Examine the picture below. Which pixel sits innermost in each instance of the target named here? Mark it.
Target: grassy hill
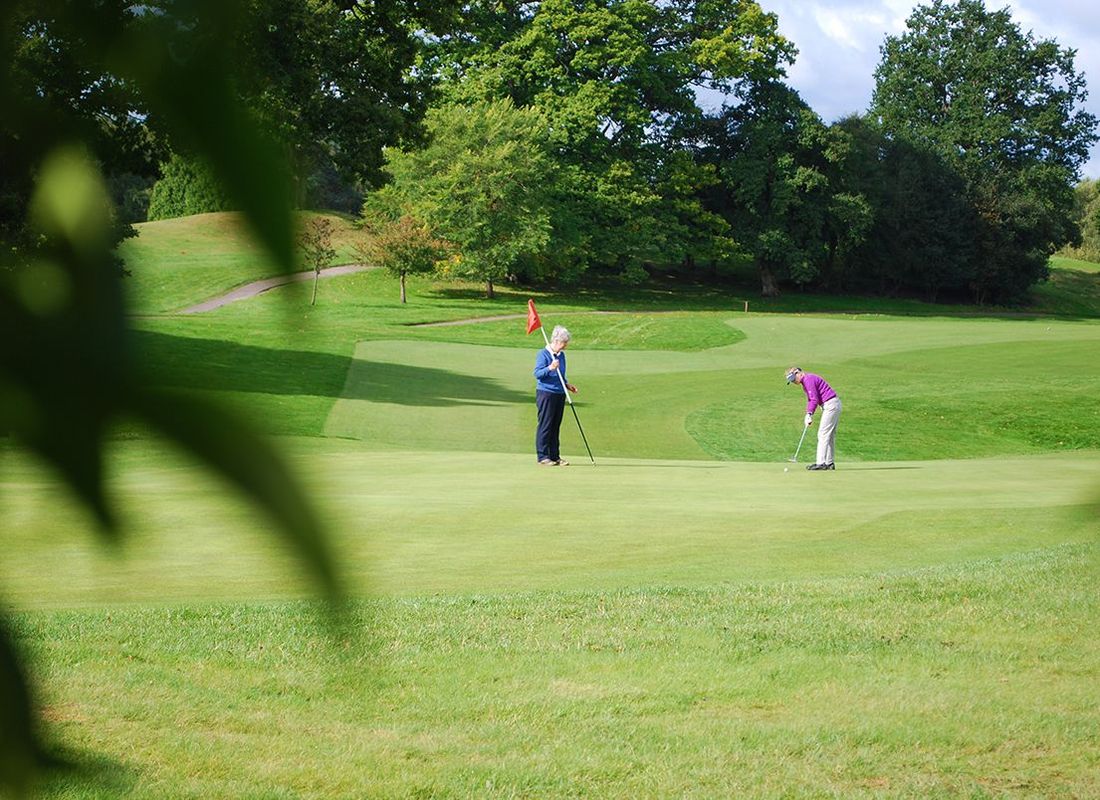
(690, 617)
(177, 262)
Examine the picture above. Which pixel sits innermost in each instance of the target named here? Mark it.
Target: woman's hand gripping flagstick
(534, 322)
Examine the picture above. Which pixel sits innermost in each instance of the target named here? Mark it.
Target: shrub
(186, 187)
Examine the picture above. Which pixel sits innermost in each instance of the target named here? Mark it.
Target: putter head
(793, 460)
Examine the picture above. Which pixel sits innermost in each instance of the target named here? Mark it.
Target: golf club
(794, 459)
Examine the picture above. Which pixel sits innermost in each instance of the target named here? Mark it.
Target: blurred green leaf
(20, 754)
(62, 321)
(181, 63)
(227, 444)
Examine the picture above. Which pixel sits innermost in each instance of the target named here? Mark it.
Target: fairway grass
(684, 618)
(175, 262)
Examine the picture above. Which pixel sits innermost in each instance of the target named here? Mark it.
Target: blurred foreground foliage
(90, 89)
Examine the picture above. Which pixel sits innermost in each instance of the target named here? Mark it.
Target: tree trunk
(489, 288)
(402, 286)
(768, 285)
(300, 167)
(316, 277)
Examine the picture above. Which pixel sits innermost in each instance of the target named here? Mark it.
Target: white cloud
(838, 26)
(839, 43)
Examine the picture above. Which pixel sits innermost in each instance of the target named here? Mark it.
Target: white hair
(560, 334)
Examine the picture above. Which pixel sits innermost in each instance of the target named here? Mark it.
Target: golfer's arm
(813, 400)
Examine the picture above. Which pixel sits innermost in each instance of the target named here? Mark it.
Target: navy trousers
(551, 407)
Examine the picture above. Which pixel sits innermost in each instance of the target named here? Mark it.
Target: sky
(838, 47)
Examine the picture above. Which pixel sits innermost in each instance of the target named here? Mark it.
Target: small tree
(315, 244)
(483, 183)
(402, 246)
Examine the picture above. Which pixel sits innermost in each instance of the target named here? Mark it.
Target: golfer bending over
(819, 393)
(550, 386)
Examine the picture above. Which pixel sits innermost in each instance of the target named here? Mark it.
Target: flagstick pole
(569, 400)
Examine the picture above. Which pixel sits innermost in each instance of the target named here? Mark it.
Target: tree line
(565, 139)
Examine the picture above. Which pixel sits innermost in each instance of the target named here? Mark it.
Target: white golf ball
(786, 469)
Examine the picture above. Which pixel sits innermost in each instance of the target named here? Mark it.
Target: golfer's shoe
(820, 466)
(547, 462)
(561, 462)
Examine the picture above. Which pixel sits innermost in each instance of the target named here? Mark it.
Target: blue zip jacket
(546, 380)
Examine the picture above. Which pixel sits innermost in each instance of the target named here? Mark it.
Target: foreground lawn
(976, 679)
(677, 628)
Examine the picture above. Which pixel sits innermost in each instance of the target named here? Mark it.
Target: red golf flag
(533, 321)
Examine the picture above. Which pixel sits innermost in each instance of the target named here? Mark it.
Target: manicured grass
(179, 262)
(1075, 264)
(976, 680)
(684, 619)
(406, 522)
(915, 388)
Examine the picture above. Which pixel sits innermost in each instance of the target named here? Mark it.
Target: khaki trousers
(826, 433)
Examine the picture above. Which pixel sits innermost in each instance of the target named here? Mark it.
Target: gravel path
(259, 287)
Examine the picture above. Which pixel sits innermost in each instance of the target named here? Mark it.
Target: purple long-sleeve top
(817, 391)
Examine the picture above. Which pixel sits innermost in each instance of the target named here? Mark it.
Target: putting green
(469, 523)
(913, 388)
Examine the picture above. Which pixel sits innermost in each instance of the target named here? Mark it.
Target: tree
(315, 244)
(1003, 109)
(774, 160)
(45, 78)
(337, 80)
(616, 81)
(482, 183)
(402, 247)
(919, 231)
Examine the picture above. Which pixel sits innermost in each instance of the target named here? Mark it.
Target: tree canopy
(1002, 109)
(775, 160)
(616, 81)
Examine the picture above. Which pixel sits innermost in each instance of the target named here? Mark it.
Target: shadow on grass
(401, 384)
(90, 777)
(663, 465)
(218, 365)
